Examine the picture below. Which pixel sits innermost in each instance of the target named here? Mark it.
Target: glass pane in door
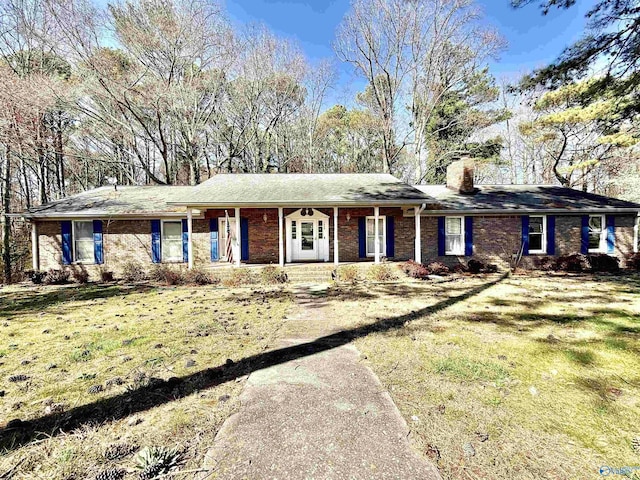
(306, 235)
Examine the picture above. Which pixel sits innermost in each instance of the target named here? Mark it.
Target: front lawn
(527, 378)
(91, 361)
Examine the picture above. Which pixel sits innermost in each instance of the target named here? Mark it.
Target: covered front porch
(300, 235)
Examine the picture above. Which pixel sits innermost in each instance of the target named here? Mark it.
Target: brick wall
(496, 238)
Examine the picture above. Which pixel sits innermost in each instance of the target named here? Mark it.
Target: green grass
(548, 367)
(67, 339)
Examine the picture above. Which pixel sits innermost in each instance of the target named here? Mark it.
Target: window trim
(162, 258)
(74, 258)
(383, 249)
(636, 235)
(462, 234)
(543, 250)
(602, 247)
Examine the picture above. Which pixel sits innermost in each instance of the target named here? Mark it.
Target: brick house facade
(291, 218)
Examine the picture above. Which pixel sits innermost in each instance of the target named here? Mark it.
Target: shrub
(36, 277)
(56, 277)
(198, 276)
(438, 268)
(546, 264)
(633, 261)
(133, 271)
(381, 273)
(476, 266)
(239, 277)
(272, 275)
(81, 276)
(460, 268)
(415, 270)
(348, 273)
(601, 262)
(576, 262)
(105, 274)
(166, 274)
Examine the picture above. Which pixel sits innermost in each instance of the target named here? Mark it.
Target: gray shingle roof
(505, 198)
(302, 190)
(108, 202)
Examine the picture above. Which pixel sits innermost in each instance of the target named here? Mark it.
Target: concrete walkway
(323, 416)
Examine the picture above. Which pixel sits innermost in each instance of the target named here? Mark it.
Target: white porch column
(336, 256)
(189, 238)
(35, 246)
(238, 237)
(280, 236)
(376, 233)
(418, 242)
(418, 245)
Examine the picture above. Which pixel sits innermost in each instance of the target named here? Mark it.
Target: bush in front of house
(198, 276)
(36, 277)
(633, 261)
(106, 275)
(601, 262)
(166, 274)
(575, 263)
(133, 271)
(381, 273)
(348, 273)
(546, 264)
(415, 270)
(476, 266)
(80, 276)
(56, 277)
(239, 277)
(272, 275)
(438, 268)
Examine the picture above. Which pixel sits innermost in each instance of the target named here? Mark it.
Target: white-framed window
(538, 234)
(454, 236)
(597, 234)
(171, 242)
(82, 235)
(371, 236)
(636, 236)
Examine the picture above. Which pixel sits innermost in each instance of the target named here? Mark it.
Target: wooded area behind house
(173, 92)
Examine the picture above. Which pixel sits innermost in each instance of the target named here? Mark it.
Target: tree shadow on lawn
(35, 300)
(158, 392)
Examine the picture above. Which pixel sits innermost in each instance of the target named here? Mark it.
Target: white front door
(307, 241)
(222, 239)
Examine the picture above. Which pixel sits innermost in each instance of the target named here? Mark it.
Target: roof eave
(302, 204)
(506, 211)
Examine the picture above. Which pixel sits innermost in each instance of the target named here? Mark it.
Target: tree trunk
(6, 225)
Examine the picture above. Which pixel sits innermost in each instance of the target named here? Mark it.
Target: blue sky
(533, 39)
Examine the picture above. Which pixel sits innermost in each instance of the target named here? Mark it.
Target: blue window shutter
(525, 234)
(65, 228)
(441, 237)
(611, 233)
(551, 235)
(362, 237)
(391, 244)
(213, 228)
(156, 256)
(244, 239)
(185, 240)
(98, 252)
(584, 239)
(468, 236)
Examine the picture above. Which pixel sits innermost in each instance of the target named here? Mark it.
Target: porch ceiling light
(264, 217)
(310, 212)
(303, 212)
(348, 216)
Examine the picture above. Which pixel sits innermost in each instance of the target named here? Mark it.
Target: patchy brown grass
(68, 339)
(538, 374)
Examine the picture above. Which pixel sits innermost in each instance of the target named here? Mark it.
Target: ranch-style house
(294, 218)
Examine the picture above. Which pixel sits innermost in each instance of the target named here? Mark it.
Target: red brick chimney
(460, 175)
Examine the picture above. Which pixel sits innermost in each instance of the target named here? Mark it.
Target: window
(371, 236)
(293, 229)
(538, 234)
(597, 234)
(320, 230)
(83, 242)
(172, 241)
(636, 238)
(454, 236)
